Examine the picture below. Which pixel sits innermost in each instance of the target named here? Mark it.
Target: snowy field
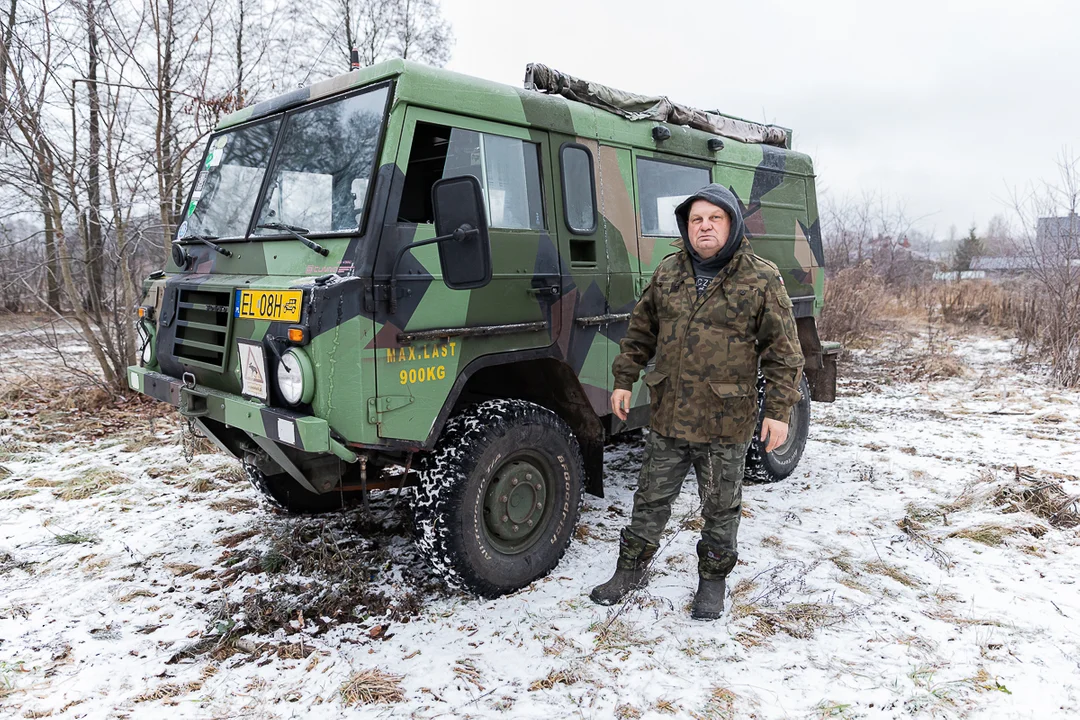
(922, 562)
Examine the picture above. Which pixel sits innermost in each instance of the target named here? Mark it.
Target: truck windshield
(323, 166)
(228, 183)
(319, 179)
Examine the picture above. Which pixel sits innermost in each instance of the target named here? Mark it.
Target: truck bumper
(303, 432)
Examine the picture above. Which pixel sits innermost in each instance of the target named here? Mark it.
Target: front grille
(202, 327)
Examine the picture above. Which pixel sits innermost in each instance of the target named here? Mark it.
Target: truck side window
(662, 186)
(508, 170)
(579, 189)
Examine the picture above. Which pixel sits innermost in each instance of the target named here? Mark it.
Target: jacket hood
(721, 196)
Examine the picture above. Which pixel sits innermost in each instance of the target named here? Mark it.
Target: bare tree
(871, 228)
(1051, 239)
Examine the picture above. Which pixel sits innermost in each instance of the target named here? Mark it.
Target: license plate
(280, 305)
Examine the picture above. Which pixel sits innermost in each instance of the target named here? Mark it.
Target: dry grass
(234, 539)
(666, 707)
(16, 493)
(136, 594)
(880, 567)
(854, 305)
(799, 620)
(90, 484)
(201, 484)
(372, 687)
(233, 505)
(74, 538)
(619, 634)
(467, 671)
(1045, 500)
(232, 474)
(627, 712)
(720, 705)
(39, 482)
(167, 691)
(934, 366)
(567, 676)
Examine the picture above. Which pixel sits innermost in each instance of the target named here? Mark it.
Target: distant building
(1058, 236)
(1004, 265)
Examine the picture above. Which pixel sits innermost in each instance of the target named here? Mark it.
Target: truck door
(433, 332)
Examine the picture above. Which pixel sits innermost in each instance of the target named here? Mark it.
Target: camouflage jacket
(704, 386)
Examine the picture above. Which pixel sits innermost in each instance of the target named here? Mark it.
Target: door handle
(547, 290)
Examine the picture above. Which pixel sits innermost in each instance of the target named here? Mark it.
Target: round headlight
(295, 379)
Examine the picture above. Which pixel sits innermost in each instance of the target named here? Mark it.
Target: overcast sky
(946, 106)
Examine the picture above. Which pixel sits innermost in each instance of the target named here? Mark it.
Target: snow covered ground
(902, 571)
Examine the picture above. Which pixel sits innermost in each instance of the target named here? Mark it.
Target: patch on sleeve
(780, 278)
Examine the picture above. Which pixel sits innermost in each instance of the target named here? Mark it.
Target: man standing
(712, 313)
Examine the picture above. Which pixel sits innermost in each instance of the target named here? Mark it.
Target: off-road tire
(282, 492)
(481, 452)
(777, 465)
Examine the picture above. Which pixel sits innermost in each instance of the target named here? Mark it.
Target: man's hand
(620, 403)
(773, 432)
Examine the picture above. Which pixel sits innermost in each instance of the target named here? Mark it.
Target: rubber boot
(709, 599)
(631, 570)
(714, 564)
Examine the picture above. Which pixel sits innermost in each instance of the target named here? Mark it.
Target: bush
(854, 304)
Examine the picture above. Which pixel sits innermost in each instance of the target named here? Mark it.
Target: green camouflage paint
(377, 389)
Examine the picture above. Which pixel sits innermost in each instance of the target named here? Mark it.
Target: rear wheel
(770, 467)
(500, 496)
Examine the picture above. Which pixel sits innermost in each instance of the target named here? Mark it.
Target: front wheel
(284, 493)
(500, 496)
(770, 467)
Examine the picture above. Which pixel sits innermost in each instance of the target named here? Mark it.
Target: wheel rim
(516, 504)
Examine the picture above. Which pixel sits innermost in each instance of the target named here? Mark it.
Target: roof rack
(541, 78)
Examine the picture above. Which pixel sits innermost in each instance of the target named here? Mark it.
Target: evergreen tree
(969, 248)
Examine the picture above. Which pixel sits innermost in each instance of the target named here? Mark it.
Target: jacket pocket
(735, 410)
(732, 390)
(655, 381)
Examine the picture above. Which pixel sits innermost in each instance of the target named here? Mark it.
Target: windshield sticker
(182, 232)
(200, 182)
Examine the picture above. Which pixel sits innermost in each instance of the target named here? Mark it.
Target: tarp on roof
(650, 107)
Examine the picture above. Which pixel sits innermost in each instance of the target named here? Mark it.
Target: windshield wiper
(295, 232)
(206, 240)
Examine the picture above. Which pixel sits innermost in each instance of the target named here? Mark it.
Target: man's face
(708, 227)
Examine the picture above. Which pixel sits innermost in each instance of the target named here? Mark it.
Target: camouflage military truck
(404, 275)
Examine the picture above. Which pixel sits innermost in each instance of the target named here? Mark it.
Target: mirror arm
(458, 235)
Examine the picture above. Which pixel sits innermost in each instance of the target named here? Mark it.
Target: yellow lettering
(430, 373)
(412, 353)
(426, 356)
(401, 355)
(452, 348)
(444, 350)
(389, 354)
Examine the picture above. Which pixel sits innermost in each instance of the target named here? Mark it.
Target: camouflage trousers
(719, 468)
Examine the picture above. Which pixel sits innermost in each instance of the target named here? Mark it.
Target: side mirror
(459, 212)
